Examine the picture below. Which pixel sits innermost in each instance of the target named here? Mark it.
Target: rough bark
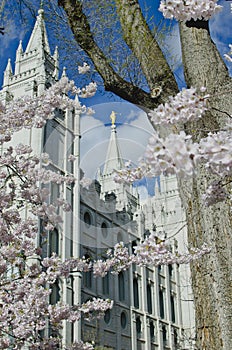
(142, 43)
(211, 276)
(112, 81)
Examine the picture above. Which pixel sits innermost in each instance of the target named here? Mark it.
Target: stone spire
(113, 158)
(8, 73)
(39, 37)
(56, 58)
(35, 68)
(125, 199)
(19, 54)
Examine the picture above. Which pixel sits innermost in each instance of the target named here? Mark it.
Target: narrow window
(161, 303)
(164, 331)
(104, 229)
(136, 292)
(138, 327)
(53, 242)
(106, 284)
(173, 315)
(149, 299)
(87, 276)
(152, 331)
(123, 320)
(55, 295)
(121, 286)
(87, 219)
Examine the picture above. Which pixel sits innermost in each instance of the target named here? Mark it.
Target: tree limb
(144, 46)
(112, 81)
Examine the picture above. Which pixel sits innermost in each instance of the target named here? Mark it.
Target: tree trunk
(211, 276)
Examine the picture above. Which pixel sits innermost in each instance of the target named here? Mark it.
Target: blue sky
(132, 125)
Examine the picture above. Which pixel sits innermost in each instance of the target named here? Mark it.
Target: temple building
(152, 305)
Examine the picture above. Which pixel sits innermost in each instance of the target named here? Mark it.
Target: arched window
(107, 316)
(136, 292)
(121, 286)
(106, 284)
(53, 242)
(55, 295)
(123, 320)
(119, 237)
(149, 299)
(172, 303)
(161, 303)
(87, 218)
(104, 229)
(175, 338)
(164, 334)
(170, 271)
(152, 331)
(87, 276)
(138, 326)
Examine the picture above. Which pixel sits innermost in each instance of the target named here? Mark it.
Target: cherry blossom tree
(192, 140)
(196, 148)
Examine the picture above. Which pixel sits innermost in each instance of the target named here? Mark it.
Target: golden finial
(113, 117)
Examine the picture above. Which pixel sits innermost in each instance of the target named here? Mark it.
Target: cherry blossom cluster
(83, 69)
(88, 91)
(185, 10)
(148, 252)
(28, 112)
(216, 151)
(187, 105)
(95, 308)
(177, 154)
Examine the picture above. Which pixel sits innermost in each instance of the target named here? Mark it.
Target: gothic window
(87, 276)
(107, 316)
(138, 326)
(161, 303)
(164, 335)
(119, 237)
(35, 89)
(172, 304)
(175, 338)
(121, 286)
(55, 192)
(149, 298)
(53, 242)
(106, 284)
(104, 229)
(123, 320)
(170, 271)
(87, 218)
(54, 139)
(152, 331)
(55, 295)
(136, 292)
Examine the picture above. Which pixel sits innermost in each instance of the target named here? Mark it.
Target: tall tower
(36, 69)
(125, 197)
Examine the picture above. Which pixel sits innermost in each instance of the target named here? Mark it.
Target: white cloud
(11, 33)
(220, 29)
(133, 131)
